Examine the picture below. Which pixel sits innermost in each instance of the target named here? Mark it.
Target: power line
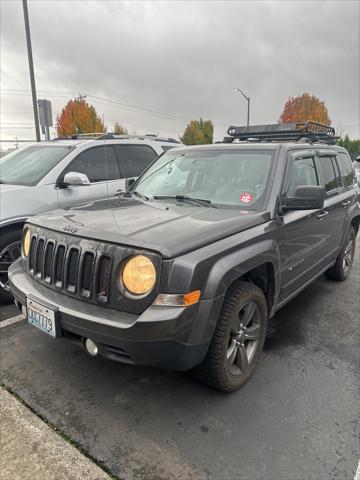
(109, 101)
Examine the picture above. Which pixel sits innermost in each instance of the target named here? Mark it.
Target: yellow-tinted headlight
(139, 275)
(26, 242)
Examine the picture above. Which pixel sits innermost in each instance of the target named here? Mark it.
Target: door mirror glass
(129, 182)
(76, 179)
(305, 197)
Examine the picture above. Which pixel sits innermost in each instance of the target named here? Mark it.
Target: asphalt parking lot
(297, 418)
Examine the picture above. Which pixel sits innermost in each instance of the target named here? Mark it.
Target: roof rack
(114, 136)
(149, 136)
(84, 136)
(302, 132)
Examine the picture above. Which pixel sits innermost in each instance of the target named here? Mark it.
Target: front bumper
(175, 338)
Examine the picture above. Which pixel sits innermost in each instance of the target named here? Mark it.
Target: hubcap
(244, 338)
(348, 256)
(8, 255)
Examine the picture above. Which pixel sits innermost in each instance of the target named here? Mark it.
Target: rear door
(133, 160)
(334, 220)
(100, 165)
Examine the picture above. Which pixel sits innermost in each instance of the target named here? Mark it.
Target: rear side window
(98, 163)
(346, 169)
(330, 175)
(134, 159)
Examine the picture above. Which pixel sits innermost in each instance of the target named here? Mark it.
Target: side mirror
(129, 182)
(75, 179)
(305, 197)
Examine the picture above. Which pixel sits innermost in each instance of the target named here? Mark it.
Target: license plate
(41, 317)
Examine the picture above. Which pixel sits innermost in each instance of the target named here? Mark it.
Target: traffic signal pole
(31, 69)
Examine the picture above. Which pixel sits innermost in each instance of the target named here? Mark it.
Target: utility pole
(31, 69)
(248, 104)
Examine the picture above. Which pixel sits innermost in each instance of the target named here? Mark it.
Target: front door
(304, 238)
(100, 165)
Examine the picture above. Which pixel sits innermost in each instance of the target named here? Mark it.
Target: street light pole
(248, 103)
(31, 69)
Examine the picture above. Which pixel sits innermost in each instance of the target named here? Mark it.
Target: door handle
(346, 202)
(323, 214)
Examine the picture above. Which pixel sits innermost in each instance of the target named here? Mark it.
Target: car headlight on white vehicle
(139, 275)
(26, 241)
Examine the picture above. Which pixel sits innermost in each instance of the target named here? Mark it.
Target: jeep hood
(166, 227)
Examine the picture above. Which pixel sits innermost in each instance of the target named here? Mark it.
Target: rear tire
(238, 340)
(10, 250)
(342, 268)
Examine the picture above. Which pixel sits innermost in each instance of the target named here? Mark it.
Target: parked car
(184, 270)
(356, 165)
(62, 173)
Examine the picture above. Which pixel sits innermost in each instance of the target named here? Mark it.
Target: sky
(153, 66)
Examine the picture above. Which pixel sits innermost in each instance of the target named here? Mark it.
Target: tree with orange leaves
(305, 107)
(78, 116)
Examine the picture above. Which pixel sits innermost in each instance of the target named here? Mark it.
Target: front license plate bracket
(43, 316)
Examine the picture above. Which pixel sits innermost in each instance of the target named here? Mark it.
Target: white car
(62, 173)
(356, 165)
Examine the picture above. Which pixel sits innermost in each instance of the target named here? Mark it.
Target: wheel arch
(355, 222)
(258, 264)
(12, 224)
(239, 265)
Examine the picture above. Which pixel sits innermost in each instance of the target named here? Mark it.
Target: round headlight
(26, 242)
(139, 275)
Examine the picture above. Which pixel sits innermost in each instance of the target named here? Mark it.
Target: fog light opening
(91, 347)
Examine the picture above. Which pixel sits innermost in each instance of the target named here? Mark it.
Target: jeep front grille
(104, 276)
(87, 272)
(67, 267)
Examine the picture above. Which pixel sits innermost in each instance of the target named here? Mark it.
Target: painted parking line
(10, 321)
(357, 474)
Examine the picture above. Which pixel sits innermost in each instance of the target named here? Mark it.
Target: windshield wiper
(185, 198)
(137, 194)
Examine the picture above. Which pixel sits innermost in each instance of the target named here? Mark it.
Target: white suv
(62, 173)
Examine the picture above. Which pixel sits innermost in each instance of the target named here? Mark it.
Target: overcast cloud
(181, 58)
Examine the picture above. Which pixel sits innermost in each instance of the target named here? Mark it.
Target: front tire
(238, 340)
(342, 268)
(10, 250)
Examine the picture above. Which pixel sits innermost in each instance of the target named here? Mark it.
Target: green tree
(352, 146)
(78, 116)
(120, 129)
(198, 132)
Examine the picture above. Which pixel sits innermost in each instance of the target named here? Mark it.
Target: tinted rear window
(346, 169)
(134, 159)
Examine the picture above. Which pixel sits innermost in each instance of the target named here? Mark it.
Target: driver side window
(98, 163)
(302, 172)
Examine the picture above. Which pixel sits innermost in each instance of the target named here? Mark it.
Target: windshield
(222, 177)
(29, 165)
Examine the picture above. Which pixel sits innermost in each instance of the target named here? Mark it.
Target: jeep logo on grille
(71, 228)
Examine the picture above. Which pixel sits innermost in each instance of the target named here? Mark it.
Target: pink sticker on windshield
(246, 197)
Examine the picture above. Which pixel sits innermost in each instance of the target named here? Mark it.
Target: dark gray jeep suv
(184, 269)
